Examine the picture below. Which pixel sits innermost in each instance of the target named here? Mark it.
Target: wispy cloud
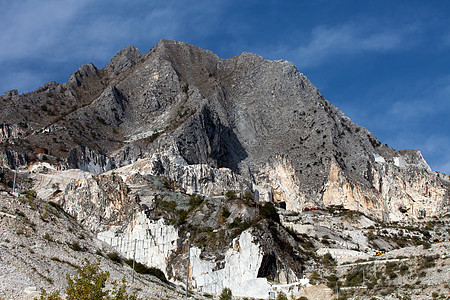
(424, 99)
(30, 27)
(47, 40)
(446, 39)
(330, 42)
(415, 117)
(433, 147)
(22, 80)
(74, 32)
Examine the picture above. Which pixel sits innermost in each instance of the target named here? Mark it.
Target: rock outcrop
(88, 160)
(130, 211)
(8, 132)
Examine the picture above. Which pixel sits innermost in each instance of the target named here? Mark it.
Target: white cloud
(72, 33)
(408, 109)
(326, 42)
(426, 98)
(445, 168)
(30, 27)
(68, 30)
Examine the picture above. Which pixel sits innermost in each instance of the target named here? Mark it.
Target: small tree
(31, 194)
(230, 194)
(88, 284)
(226, 294)
(53, 296)
(195, 201)
(120, 293)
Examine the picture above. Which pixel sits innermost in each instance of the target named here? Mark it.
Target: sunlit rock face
(398, 191)
(143, 240)
(10, 132)
(98, 201)
(119, 207)
(238, 271)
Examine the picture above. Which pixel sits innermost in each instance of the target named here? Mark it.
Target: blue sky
(385, 64)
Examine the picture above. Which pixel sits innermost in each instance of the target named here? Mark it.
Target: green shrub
(186, 88)
(426, 245)
(282, 296)
(404, 269)
(101, 120)
(294, 233)
(195, 201)
(225, 213)
(44, 216)
(328, 260)
(314, 278)
(153, 137)
(143, 269)
(332, 281)
(181, 216)
(31, 194)
(45, 296)
(226, 294)
(248, 196)
(241, 225)
(48, 237)
(75, 246)
(89, 284)
(230, 194)
(428, 261)
(55, 205)
(115, 257)
(354, 278)
(20, 213)
(170, 205)
(304, 241)
(268, 211)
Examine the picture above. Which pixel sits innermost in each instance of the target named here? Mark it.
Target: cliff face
(146, 218)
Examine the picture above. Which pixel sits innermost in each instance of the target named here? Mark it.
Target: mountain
(263, 120)
(178, 140)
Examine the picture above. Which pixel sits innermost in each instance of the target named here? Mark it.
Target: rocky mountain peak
(124, 59)
(84, 71)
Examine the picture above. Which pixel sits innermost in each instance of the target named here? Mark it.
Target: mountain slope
(41, 244)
